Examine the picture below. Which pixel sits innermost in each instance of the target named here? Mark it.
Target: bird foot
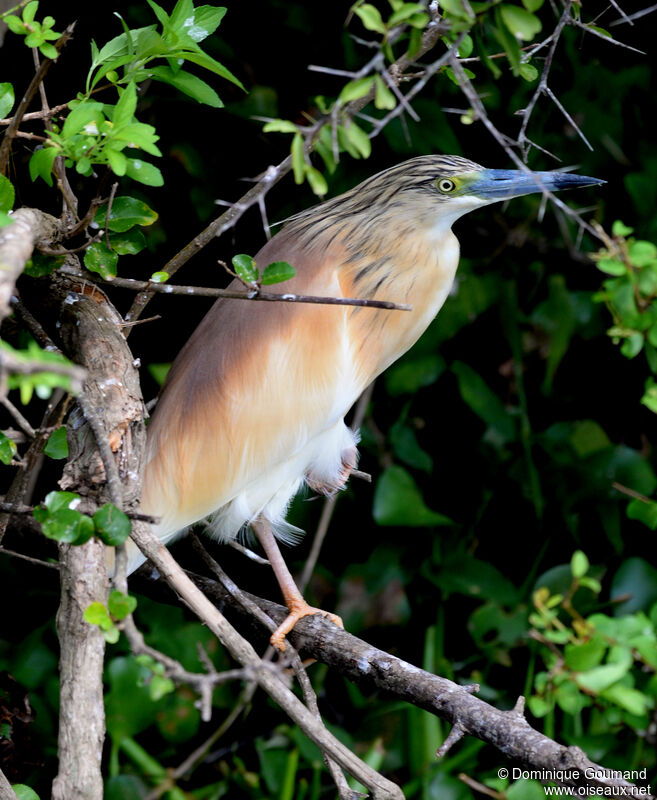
(338, 483)
(298, 610)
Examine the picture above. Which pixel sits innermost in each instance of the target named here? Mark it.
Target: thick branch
(372, 668)
(17, 242)
(92, 335)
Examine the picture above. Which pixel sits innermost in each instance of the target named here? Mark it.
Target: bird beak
(502, 184)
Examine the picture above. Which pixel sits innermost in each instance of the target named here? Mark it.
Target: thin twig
(253, 294)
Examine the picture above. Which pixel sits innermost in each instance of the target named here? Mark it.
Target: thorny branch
(508, 731)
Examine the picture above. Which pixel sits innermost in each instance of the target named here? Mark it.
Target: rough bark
(17, 242)
(373, 669)
(110, 408)
(82, 650)
(6, 792)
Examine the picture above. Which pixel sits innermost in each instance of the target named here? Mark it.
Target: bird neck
(405, 261)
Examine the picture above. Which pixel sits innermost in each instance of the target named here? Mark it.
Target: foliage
(502, 446)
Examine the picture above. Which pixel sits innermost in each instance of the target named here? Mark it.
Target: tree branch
(371, 668)
(17, 242)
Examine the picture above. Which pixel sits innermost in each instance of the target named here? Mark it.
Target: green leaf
(29, 12)
(457, 8)
(602, 677)
(100, 259)
(356, 89)
(371, 18)
(532, 5)
(398, 501)
(96, 614)
(205, 61)
(68, 525)
(7, 194)
(358, 138)
(7, 99)
(128, 243)
(298, 159)
(24, 792)
(642, 253)
(277, 272)
(644, 512)
(112, 525)
(159, 372)
(139, 135)
(159, 686)
(57, 446)
(7, 448)
(619, 229)
(611, 266)
(632, 345)
(15, 24)
(383, 97)
(585, 656)
(484, 402)
(245, 267)
(528, 72)
(280, 126)
(412, 372)
(208, 18)
(523, 24)
(124, 110)
(407, 448)
(316, 180)
(160, 277)
(117, 161)
(40, 264)
(188, 84)
(41, 162)
(120, 605)
(87, 114)
(55, 501)
(125, 214)
(144, 172)
(630, 699)
(579, 564)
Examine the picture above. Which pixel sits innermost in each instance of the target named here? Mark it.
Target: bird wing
(253, 385)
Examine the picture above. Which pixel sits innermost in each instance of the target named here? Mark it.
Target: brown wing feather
(254, 382)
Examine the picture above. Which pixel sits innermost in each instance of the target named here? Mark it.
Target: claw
(297, 612)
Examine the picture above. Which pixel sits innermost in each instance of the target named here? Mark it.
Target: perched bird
(254, 405)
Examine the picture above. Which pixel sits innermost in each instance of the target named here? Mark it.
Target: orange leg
(293, 598)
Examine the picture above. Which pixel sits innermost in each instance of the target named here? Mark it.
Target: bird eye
(445, 186)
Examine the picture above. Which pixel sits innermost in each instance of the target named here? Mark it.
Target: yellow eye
(445, 186)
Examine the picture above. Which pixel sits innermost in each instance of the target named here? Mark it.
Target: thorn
(519, 708)
(453, 737)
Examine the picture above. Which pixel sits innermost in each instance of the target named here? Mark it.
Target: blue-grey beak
(502, 184)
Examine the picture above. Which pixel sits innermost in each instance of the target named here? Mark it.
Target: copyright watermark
(604, 782)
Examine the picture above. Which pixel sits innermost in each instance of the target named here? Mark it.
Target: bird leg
(297, 606)
(326, 487)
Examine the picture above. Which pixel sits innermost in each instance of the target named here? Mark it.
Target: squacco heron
(253, 407)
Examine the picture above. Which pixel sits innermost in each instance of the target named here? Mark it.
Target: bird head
(450, 186)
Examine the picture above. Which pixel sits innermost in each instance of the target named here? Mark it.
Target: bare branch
(17, 242)
(374, 669)
(253, 294)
